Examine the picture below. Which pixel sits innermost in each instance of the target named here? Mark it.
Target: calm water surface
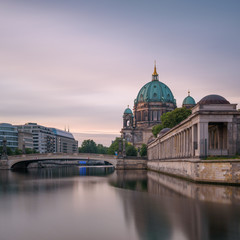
(96, 203)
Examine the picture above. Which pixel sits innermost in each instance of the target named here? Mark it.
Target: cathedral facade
(153, 99)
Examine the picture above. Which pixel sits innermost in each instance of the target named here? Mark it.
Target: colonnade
(177, 145)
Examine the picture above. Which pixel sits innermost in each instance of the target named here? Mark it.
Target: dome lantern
(155, 74)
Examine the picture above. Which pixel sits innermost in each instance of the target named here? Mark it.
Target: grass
(221, 157)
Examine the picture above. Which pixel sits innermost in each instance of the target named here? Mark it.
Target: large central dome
(153, 100)
(155, 91)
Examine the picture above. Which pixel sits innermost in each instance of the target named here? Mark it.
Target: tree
(30, 151)
(9, 151)
(143, 151)
(102, 149)
(114, 147)
(131, 150)
(17, 151)
(88, 146)
(171, 119)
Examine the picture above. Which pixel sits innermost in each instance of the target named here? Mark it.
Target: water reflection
(97, 203)
(177, 209)
(29, 180)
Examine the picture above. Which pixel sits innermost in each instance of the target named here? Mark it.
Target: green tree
(171, 119)
(102, 149)
(17, 151)
(114, 147)
(88, 146)
(143, 151)
(30, 151)
(9, 151)
(131, 150)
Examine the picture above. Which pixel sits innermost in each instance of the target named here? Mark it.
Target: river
(72, 203)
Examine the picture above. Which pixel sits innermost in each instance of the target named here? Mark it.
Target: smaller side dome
(164, 130)
(189, 101)
(213, 99)
(128, 111)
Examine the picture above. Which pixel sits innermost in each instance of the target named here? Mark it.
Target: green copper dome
(128, 111)
(189, 101)
(155, 91)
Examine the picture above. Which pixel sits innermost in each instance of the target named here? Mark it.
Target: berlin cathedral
(153, 99)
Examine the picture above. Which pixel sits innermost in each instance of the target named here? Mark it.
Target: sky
(78, 64)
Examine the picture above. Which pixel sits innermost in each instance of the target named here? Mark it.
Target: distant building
(188, 101)
(65, 142)
(43, 137)
(10, 133)
(153, 99)
(46, 140)
(25, 140)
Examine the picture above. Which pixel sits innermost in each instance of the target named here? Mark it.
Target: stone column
(232, 138)
(187, 136)
(203, 139)
(120, 149)
(124, 148)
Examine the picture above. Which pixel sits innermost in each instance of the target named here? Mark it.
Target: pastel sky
(80, 63)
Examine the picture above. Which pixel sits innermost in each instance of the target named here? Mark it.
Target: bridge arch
(24, 160)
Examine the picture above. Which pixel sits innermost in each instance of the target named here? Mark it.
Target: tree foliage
(143, 151)
(114, 147)
(102, 149)
(17, 151)
(30, 151)
(131, 150)
(89, 146)
(171, 119)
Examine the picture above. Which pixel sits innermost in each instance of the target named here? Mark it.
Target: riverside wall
(211, 171)
(131, 164)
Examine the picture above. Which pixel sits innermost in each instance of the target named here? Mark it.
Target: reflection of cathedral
(153, 99)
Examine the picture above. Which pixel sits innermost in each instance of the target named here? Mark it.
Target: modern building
(25, 140)
(153, 99)
(10, 133)
(65, 142)
(188, 101)
(43, 137)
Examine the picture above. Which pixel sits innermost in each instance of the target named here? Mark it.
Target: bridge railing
(39, 155)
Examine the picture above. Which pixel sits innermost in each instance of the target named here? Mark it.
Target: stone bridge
(24, 160)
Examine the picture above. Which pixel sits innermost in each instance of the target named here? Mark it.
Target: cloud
(81, 63)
